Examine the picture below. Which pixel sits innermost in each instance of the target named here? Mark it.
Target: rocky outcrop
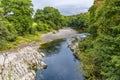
(74, 48)
(21, 65)
(74, 44)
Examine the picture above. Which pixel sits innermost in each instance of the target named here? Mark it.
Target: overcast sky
(66, 7)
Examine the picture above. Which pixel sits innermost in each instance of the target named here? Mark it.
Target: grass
(29, 38)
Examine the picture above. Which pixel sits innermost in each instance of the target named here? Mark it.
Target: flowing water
(62, 65)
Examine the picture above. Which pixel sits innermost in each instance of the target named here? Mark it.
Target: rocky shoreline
(20, 65)
(74, 44)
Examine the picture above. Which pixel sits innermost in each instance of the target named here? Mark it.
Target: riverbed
(62, 65)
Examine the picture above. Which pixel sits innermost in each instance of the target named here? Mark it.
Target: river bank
(19, 64)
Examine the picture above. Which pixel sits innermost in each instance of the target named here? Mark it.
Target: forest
(99, 52)
(18, 20)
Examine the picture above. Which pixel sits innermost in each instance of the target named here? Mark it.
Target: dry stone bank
(20, 65)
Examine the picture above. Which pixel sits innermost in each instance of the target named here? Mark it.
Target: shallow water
(61, 63)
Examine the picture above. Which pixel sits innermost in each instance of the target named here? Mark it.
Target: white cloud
(71, 6)
(72, 2)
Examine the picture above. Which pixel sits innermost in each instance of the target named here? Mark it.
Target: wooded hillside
(100, 53)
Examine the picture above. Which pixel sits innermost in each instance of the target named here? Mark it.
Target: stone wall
(21, 65)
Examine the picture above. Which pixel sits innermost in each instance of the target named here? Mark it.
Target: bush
(33, 29)
(43, 27)
(7, 33)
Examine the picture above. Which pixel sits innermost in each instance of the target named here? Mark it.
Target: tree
(103, 44)
(19, 13)
(7, 30)
(50, 16)
(39, 16)
(7, 33)
(78, 21)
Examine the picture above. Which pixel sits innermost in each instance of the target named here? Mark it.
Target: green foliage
(64, 21)
(50, 17)
(19, 13)
(7, 33)
(43, 27)
(104, 44)
(78, 21)
(16, 21)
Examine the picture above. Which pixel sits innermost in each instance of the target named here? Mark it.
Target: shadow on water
(60, 61)
(51, 48)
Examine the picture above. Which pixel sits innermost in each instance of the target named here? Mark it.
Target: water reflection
(51, 47)
(61, 63)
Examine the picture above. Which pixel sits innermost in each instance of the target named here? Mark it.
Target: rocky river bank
(74, 43)
(20, 65)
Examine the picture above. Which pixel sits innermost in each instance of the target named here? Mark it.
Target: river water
(62, 65)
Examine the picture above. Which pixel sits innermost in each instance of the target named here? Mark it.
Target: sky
(66, 7)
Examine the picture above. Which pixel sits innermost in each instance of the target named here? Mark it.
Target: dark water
(61, 63)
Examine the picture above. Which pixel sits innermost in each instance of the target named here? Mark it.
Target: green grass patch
(29, 38)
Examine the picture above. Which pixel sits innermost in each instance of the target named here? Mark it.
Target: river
(62, 65)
